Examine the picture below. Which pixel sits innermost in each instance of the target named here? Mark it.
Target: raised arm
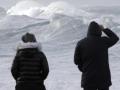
(111, 38)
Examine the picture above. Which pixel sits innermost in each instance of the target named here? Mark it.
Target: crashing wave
(16, 22)
(23, 7)
(33, 9)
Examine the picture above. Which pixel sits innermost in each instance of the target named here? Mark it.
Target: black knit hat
(94, 29)
(28, 37)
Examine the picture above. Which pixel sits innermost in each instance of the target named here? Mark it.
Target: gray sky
(8, 3)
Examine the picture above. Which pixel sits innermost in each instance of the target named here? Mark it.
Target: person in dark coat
(91, 57)
(30, 67)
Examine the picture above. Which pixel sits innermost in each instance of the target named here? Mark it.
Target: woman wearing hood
(30, 67)
(91, 57)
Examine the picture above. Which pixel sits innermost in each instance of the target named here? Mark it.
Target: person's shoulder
(82, 41)
(18, 52)
(41, 54)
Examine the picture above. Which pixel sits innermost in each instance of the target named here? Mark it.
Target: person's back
(30, 67)
(91, 56)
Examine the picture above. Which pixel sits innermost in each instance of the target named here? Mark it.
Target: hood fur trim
(22, 45)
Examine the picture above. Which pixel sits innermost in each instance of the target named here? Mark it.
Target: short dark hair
(28, 37)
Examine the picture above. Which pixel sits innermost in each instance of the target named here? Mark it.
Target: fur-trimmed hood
(22, 45)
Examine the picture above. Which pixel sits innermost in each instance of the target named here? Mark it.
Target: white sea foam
(33, 9)
(58, 35)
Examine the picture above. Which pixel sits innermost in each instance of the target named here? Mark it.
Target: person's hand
(101, 27)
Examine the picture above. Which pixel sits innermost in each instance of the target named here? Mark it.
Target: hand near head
(101, 27)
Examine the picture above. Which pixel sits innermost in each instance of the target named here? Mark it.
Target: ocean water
(58, 32)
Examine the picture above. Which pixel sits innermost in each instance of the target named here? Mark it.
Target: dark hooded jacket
(91, 56)
(30, 68)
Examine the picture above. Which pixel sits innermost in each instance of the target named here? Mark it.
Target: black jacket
(91, 56)
(30, 66)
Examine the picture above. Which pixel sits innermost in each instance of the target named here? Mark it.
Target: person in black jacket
(30, 67)
(91, 57)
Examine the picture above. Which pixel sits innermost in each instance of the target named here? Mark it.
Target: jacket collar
(22, 45)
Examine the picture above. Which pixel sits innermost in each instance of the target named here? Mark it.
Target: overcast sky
(8, 3)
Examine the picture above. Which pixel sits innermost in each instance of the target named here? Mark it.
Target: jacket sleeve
(111, 38)
(15, 67)
(45, 66)
(77, 57)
